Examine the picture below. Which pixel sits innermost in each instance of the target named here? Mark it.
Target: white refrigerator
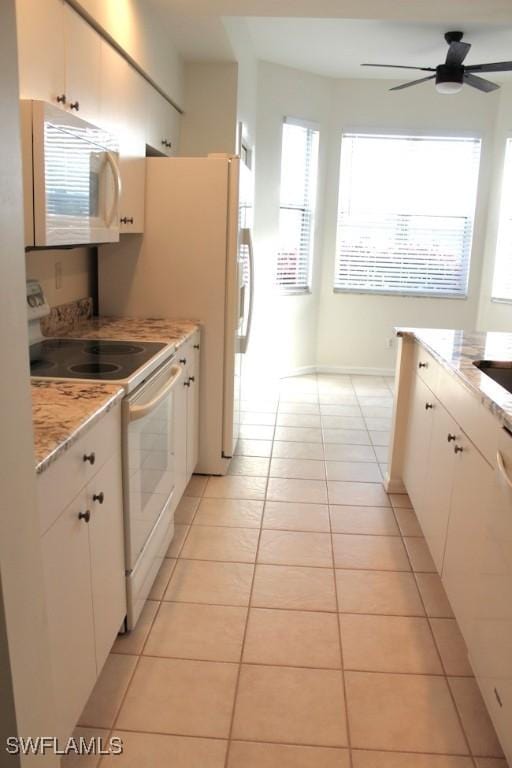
(194, 261)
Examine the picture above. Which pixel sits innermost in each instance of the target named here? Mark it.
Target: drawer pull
(196, 346)
(186, 383)
(422, 365)
(501, 467)
(428, 406)
(61, 99)
(458, 449)
(85, 516)
(451, 437)
(99, 497)
(90, 457)
(192, 378)
(75, 105)
(183, 361)
(126, 220)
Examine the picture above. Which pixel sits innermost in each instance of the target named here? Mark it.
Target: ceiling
(337, 47)
(327, 42)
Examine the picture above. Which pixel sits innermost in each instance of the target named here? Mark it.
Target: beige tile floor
(297, 621)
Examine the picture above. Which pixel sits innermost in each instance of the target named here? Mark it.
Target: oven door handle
(139, 411)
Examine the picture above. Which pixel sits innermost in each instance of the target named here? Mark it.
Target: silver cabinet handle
(502, 469)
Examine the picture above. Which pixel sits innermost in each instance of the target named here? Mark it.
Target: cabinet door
(434, 514)
(491, 639)
(193, 407)
(422, 404)
(162, 123)
(41, 55)
(67, 577)
(472, 487)
(83, 67)
(122, 113)
(105, 501)
(180, 432)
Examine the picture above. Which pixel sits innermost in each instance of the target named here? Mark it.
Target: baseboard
(342, 370)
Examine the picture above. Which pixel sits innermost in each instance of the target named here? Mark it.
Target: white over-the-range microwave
(71, 178)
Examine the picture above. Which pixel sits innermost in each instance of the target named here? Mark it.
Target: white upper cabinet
(162, 123)
(82, 66)
(41, 49)
(122, 94)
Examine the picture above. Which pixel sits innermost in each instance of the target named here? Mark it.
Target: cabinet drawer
(474, 419)
(63, 479)
(426, 367)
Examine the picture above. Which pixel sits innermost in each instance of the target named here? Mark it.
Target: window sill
(403, 294)
(295, 292)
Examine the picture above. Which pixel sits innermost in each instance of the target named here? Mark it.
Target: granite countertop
(63, 410)
(456, 351)
(174, 332)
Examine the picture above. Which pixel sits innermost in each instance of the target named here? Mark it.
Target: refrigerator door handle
(246, 239)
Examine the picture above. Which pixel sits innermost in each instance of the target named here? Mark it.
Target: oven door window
(149, 461)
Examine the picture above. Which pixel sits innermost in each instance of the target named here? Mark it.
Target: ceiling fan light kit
(453, 74)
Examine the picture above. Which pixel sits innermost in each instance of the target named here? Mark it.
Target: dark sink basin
(499, 370)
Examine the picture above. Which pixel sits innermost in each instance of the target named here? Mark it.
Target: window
(405, 214)
(502, 283)
(299, 162)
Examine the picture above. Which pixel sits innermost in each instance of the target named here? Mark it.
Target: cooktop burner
(90, 359)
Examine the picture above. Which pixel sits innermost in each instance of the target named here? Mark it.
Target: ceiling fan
(451, 76)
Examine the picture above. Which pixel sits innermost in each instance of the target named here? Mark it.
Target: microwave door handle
(246, 239)
(136, 412)
(111, 162)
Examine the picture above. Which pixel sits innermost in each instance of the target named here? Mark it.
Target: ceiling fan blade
(457, 52)
(497, 66)
(413, 82)
(400, 66)
(479, 82)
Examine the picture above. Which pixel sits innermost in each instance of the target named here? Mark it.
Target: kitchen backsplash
(65, 275)
(64, 317)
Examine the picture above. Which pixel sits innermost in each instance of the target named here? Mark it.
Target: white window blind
(299, 163)
(405, 214)
(502, 282)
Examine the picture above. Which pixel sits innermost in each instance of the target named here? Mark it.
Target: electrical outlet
(58, 275)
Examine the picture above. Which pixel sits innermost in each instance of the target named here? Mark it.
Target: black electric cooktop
(90, 358)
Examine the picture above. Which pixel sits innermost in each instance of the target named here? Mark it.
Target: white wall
(351, 331)
(493, 315)
(210, 100)
(284, 329)
(26, 696)
(76, 269)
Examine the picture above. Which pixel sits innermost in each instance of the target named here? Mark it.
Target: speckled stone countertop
(63, 410)
(456, 351)
(134, 329)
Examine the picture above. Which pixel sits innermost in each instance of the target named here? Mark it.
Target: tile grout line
(340, 641)
(244, 636)
(445, 677)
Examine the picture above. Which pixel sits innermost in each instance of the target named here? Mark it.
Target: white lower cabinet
(418, 443)
(464, 506)
(439, 480)
(69, 605)
(491, 633)
(84, 572)
(193, 405)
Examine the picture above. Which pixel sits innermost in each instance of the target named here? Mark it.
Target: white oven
(149, 480)
(71, 179)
